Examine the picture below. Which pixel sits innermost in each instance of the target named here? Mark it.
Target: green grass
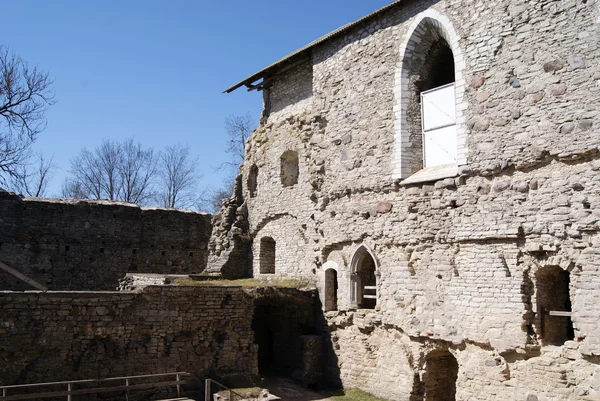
(245, 282)
(354, 395)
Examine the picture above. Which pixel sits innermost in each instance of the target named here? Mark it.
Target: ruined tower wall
(457, 257)
(90, 245)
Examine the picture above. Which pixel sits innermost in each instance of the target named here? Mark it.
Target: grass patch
(354, 395)
(244, 282)
(246, 392)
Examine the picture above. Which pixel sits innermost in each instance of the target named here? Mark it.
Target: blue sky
(155, 70)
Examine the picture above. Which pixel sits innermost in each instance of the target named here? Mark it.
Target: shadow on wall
(292, 337)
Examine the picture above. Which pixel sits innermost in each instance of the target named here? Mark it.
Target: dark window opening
(554, 306)
(438, 69)
(441, 372)
(267, 255)
(331, 290)
(367, 283)
(253, 180)
(289, 168)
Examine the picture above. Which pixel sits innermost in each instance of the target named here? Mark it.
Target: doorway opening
(441, 372)
(554, 306)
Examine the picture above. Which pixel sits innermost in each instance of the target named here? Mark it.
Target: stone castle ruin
(432, 170)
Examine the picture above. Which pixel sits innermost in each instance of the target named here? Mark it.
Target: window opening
(267, 255)
(289, 168)
(366, 282)
(331, 290)
(438, 106)
(253, 180)
(554, 306)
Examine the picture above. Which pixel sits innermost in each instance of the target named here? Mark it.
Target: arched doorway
(441, 372)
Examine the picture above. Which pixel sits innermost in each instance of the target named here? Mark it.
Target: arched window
(441, 372)
(429, 131)
(252, 182)
(553, 306)
(364, 281)
(289, 168)
(331, 290)
(267, 255)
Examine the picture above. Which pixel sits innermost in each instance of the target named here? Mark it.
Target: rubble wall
(457, 258)
(90, 245)
(56, 336)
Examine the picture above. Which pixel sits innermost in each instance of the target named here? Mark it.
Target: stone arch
(363, 283)
(441, 373)
(430, 27)
(289, 168)
(290, 260)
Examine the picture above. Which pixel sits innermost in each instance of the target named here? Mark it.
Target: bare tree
(25, 94)
(114, 171)
(178, 178)
(137, 169)
(34, 181)
(73, 189)
(212, 198)
(238, 129)
(95, 172)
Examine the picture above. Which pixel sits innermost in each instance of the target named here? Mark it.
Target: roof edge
(271, 69)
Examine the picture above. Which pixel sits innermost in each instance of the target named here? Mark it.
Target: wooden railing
(208, 391)
(70, 391)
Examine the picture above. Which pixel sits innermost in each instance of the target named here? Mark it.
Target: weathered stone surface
(477, 81)
(90, 245)
(559, 90)
(455, 266)
(83, 335)
(554, 65)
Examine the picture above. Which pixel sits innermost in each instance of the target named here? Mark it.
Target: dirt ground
(288, 390)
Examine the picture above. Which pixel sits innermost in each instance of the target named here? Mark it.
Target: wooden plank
(370, 296)
(22, 277)
(370, 287)
(560, 313)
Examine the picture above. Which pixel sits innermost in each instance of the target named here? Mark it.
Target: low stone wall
(57, 336)
(90, 245)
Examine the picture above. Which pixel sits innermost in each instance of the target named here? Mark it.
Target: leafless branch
(178, 178)
(25, 95)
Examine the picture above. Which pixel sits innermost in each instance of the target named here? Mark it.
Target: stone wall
(292, 92)
(458, 258)
(90, 245)
(57, 336)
